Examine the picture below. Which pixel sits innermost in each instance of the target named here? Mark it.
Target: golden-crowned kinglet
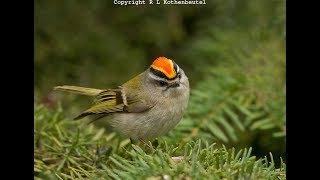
(145, 107)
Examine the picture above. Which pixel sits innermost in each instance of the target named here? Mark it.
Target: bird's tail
(79, 90)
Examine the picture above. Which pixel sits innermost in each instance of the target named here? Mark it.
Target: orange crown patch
(165, 66)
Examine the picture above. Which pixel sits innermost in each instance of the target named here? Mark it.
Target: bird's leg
(145, 143)
(141, 140)
(132, 141)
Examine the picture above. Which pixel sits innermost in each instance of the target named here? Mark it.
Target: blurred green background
(233, 51)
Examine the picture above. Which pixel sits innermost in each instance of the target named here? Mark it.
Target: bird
(145, 107)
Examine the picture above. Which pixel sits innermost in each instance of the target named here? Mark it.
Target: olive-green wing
(115, 100)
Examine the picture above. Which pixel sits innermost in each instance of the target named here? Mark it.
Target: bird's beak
(175, 84)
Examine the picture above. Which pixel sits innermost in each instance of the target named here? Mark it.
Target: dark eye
(179, 76)
(163, 83)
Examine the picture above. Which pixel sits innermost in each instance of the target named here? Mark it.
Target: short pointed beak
(175, 84)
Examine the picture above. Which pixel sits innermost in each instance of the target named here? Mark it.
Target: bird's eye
(179, 76)
(163, 83)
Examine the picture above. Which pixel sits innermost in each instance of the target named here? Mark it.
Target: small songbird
(145, 107)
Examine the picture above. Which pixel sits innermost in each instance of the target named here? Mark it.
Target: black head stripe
(160, 74)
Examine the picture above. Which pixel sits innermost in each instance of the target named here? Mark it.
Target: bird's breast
(157, 121)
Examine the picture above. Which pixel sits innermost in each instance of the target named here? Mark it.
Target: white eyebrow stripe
(155, 77)
(152, 76)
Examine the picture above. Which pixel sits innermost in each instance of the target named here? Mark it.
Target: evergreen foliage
(67, 149)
